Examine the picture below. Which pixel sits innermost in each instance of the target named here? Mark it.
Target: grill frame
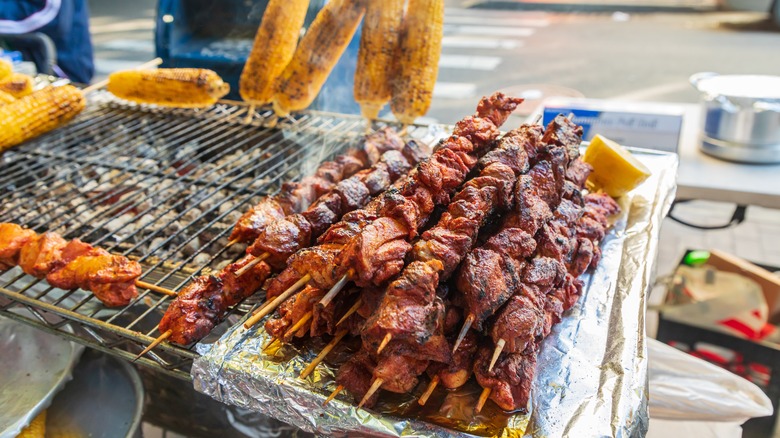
(89, 147)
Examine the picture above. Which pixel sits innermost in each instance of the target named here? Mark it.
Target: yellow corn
(418, 59)
(17, 85)
(36, 429)
(273, 48)
(376, 57)
(38, 113)
(176, 87)
(317, 54)
(5, 68)
(5, 98)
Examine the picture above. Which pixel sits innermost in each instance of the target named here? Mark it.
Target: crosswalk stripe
(471, 62)
(509, 22)
(454, 90)
(462, 42)
(488, 30)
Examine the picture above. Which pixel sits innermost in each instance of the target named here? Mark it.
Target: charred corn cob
(273, 48)
(378, 45)
(418, 59)
(176, 87)
(38, 113)
(317, 54)
(5, 69)
(5, 98)
(36, 429)
(17, 85)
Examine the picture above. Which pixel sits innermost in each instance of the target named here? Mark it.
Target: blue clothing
(66, 22)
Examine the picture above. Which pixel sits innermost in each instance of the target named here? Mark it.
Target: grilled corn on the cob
(176, 87)
(5, 98)
(273, 48)
(17, 85)
(418, 59)
(5, 68)
(317, 54)
(36, 429)
(38, 113)
(376, 57)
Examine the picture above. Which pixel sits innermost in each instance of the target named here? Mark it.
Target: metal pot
(741, 116)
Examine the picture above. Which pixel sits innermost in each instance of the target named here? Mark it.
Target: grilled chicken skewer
(205, 302)
(371, 243)
(296, 197)
(538, 194)
(508, 381)
(410, 315)
(69, 264)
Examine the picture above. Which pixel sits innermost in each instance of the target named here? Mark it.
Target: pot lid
(749, 86)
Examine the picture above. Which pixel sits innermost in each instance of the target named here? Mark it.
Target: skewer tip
(428, 391)
(388, 337)
(496, 353)
(482, 399)
(167, 334)
(333, 395)
(374, 388)
(252, 263)
(155, 288)
(271, 306)
(336, 288)
(298, 325)
(465, 329)
(270, 344)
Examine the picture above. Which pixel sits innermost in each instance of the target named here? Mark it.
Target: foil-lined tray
(591, 377)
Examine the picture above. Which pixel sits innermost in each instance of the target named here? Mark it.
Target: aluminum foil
(591, 375)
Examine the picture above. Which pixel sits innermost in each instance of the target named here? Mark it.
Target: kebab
(202, 304)
(508, 382)
(296, 197)
(538, 194)
(70, 264)
(396, 213)
(467, 212)
(408, 311)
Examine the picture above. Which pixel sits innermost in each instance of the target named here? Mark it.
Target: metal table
(703, 177)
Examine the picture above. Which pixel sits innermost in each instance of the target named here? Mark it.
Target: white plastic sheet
(683, 387)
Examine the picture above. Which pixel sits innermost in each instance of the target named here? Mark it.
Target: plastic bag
(683, 387)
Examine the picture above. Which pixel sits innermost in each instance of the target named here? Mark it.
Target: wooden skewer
(270, 307)
(336, 288)
(388, 337)
(482, 399)
(98, 85)
(339, 336)
(232, 242)
(155, 288)
(154, 343)
(333, 394)
(429, 390)
(294, 329)
(351, 310)
(271, 344)
(252, 264)
(250, 114)
(374, 388)
(465, 329)
(497, 352)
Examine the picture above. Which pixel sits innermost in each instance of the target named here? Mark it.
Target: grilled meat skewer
(296, 197)
(69, 264)
(357, 241)
(509, 381)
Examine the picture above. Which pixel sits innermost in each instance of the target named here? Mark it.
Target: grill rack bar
(162, 186)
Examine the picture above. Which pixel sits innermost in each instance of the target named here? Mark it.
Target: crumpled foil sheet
(591, 378)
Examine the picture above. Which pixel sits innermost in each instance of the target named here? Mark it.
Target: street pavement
(606, 55)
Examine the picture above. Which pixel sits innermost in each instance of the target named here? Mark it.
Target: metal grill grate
(161, 186)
